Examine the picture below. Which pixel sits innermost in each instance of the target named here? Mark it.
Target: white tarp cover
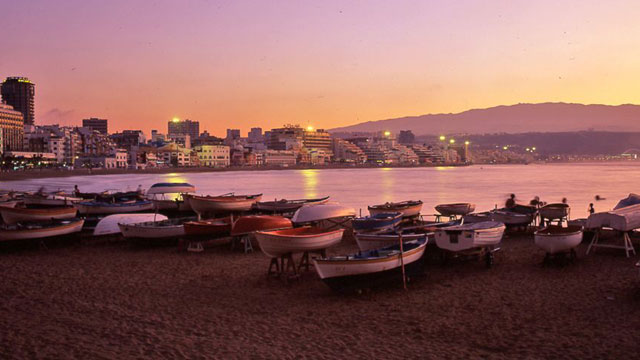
(623, 219)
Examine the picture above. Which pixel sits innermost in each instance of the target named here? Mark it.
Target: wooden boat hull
(92, 208)
(14, 215)
(476, 218)
(151, 230)
(64, 228)
(51, 200)
(377, 223)
(459, 209)
(375, 241)
(282, 242)
(171, 205)
(463, 237)
(288, 206)
(407, 208)
(511, 218)
(222, 204)
(350, 272)
(250, 224)
(212, 227)
(554, 239)
(9, 204)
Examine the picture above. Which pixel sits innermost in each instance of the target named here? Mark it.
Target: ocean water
(486, 186)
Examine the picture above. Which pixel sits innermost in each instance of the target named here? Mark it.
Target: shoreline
(57, 173)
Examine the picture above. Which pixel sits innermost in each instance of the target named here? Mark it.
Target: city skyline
(327, 65)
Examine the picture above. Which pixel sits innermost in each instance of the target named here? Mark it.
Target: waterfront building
(173, 154)
(404, 155)
(427, 154)
(286, 138)
(11, 129)
(100, 125)
(345, 151)
(282, 158)
(96, 161)
(128, 138)
(19, 92)
(255, 135)
(213, 155)
(183, 127)
(206, 139)
(28, 159)
(64, 142)
(183, 140)
(157, 137)
(95, 142)
(233, 134)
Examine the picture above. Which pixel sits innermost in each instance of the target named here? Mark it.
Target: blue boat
(377, 222)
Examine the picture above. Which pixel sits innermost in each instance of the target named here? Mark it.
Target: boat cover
(632, 199)
(622, 219)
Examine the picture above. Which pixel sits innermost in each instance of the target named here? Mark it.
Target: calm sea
(486, 186)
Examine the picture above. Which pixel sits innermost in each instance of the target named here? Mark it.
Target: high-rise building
(233, 134)
(19, 92)
(99, 125)
(406, 137)
(184, 127)
(255, 135)
(11, 129)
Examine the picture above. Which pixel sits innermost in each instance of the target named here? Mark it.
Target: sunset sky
(239, 64)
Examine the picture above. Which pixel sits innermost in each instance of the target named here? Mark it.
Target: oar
(404, 275)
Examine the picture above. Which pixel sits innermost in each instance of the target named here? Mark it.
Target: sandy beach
(118, 301)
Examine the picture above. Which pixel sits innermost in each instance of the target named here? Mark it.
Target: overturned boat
(14, 215)
(556, 211)
(109, 224)
(377, 223)
(369, 268)
(316, 213)
(512, 218)
(409, 208)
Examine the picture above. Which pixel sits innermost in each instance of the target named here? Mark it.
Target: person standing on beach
(511, 201)
(591, 209)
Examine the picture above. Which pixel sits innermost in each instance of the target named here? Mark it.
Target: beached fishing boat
(109, 224)
(95, 207)
(511, 218)
(369, 268)
(369, 241)
(13, 215)
(469, 236)
(377, 223)
(111, 196)
(40, 230)
(287, 206)
(171, 228)
(329, 211)
(476, 217)
(252, 223)
(458, 209)
(523, 209)
(307, 238)
(557, 239)
(170, 196)
(50, 199)
(554, 211)
(211, 227)
(223, 203)
(9, 203)
(632, 199)
(410, 208)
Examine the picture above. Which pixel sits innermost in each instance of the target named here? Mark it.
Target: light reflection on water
(486, 186)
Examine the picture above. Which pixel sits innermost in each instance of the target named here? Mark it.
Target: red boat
(250, 224)
(220, 226)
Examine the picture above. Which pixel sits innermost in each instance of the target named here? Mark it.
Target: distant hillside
(545, 117)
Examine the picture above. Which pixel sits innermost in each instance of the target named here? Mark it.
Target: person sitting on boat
(564, 200)
(511, 201)
(76, 191)
(591, 209)
(535, 201)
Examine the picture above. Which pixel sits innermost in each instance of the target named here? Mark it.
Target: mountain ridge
(515, 118)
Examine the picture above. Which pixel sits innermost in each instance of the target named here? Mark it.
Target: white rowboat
(557, 239)
(153, 229)
(40, 230)
(458, 209)
(469, 236)
(109, 224)
(313, 213)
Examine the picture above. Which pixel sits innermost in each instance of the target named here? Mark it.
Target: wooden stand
(246, 243)
(282, 270)
(304, 261)
(627, 247)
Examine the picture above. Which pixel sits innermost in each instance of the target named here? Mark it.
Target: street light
(443, 138)
(175, 120)
(387, 133)
(309, 128)
(466, 142)
(452, 141)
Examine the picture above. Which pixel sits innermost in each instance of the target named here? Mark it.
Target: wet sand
(115, 301)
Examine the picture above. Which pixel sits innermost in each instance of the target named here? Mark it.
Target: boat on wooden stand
(164, 229)
(461, 238)
(556, 211)
(208, 228)
(222, 204)
(14, 215)
(40, 230)
(109, 224)
(246, 226)
(456, 209)
(370, 268)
